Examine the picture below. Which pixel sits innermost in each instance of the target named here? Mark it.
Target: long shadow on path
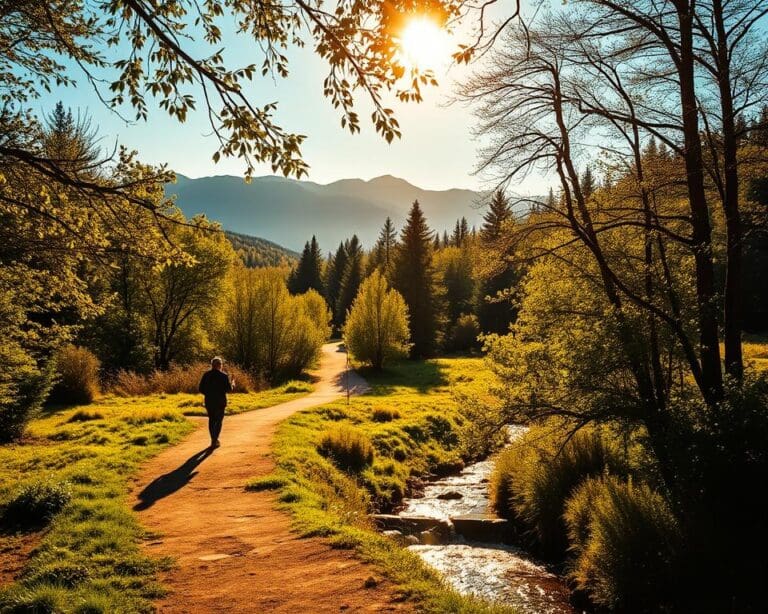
(169, 483)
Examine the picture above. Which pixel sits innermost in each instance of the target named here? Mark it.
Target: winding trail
(234, 551)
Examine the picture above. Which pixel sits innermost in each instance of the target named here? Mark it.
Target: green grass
(88, 558)
(192, 405)
(420, 435)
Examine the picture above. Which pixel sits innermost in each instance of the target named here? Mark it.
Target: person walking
(214, 386)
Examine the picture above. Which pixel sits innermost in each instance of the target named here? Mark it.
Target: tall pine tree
(495, 316)
(308, 273)
(351, 279)
(333, 277)
(413, 277)
(383, 253)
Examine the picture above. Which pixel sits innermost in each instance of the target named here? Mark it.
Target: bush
(77, 372)
(382, 414)
(36, 504)
(626, 542)
(376, 331)
(24, 386)
(464, 333)
(177, 380)
(537, 474)
(348, 448)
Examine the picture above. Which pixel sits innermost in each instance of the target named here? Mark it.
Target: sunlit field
(82, 459)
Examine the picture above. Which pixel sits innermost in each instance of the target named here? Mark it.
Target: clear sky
(436, 150)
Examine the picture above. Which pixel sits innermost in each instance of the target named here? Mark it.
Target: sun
(423, 44)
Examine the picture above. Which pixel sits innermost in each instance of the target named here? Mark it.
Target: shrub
(376, 331)
(176, 380)
(540, 474)
(83, 415)
(464, 334)
(383, 414)
(348, 448)
(77, 372)
(36, 504)
(626, 543)
(268, 482)
(24, 386)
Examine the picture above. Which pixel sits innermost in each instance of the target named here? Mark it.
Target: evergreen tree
(308, 272)
(351, 279)
(496, 316)
(413, 277)
(383, 252)
(499, 212)
(437, 242)
(446, 240)
(333, 278)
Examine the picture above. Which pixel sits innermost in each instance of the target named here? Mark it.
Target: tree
(352, 278)
(413, 278)
(627, 296)
(460, 233)
(334, 274)
(376, 331)
(267, 330)
(181, 297)
(455, 269)
(308, 272)
(498, 214)
(384, 250)
(497, 275)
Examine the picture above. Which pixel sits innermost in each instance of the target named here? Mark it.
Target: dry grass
(178, 380)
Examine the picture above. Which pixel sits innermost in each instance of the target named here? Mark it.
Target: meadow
(67, 527)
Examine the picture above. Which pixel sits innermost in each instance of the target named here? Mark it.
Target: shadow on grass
(420, 375)
(171, 482)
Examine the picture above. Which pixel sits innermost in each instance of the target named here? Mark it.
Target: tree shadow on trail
(169, 483)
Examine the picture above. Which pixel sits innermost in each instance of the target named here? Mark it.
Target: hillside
(256, 252)
(289, 211)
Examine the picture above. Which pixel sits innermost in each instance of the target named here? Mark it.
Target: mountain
(289, 211)
(256, 252)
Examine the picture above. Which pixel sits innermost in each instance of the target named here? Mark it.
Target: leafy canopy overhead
(174, 52)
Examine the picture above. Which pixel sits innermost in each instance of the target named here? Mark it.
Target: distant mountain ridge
(256, 252)
(289, 212)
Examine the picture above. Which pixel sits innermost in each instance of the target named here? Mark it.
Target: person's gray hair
(216, 360)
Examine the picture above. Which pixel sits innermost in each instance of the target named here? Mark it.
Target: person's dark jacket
(214, 386)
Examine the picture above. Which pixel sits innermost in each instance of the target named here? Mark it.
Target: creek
(459, 536)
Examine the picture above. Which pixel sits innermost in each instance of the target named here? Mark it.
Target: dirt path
(234, 551)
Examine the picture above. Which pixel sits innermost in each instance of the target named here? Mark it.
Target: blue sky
(436, 150)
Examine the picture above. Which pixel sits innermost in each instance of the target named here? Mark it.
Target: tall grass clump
(348, 448)
(625, 543)
(537, 474)
(77, 371)
(176, 380)
(35, 504)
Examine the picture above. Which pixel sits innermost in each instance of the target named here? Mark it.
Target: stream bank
(451, 527)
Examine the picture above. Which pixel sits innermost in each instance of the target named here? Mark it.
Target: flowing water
(493, 571)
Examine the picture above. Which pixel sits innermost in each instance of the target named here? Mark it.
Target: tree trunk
(733, 318)
(712, 376)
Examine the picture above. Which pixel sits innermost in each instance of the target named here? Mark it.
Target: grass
(413, 423)
(88, 558)
(192, 405)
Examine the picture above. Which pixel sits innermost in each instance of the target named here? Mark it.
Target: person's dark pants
(215, 421)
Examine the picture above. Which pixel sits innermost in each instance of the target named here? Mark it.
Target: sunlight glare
(423, 43)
